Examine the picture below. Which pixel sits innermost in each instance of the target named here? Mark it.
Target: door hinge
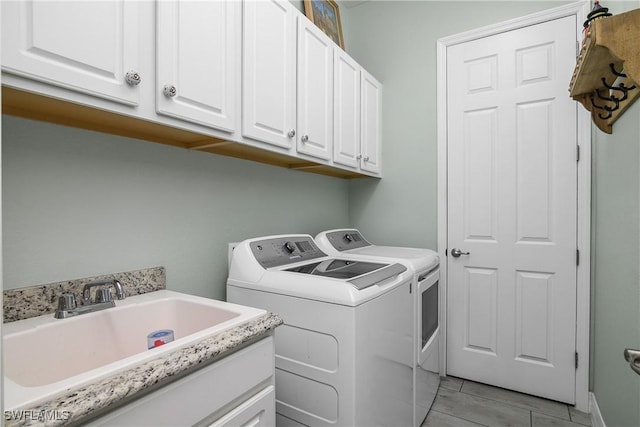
(577, 256)
(446, 252)
(410, 287)
(577, 153)
(576, 360)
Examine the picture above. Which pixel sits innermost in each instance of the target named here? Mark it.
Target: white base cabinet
(235, 391)
(259, 411)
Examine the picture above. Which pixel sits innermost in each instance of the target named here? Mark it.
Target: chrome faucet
(68, 306)
(86, 291)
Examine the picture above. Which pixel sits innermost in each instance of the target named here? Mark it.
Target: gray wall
(396, 42)
(79, 203)
(615, 312)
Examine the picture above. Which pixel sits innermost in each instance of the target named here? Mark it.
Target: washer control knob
(290, 247)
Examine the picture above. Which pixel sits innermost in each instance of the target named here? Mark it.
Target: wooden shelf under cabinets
(613, 45)
(29, 105)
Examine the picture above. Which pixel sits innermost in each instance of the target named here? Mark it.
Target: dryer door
(428, 315)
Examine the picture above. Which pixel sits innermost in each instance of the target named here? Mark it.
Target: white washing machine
(424, 263)
(344, 356)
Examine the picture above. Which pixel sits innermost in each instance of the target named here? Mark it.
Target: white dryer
(344, 356)
(424, 263)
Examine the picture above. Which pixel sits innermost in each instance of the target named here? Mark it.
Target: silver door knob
(291, 133)
(366, 158)
(132, 78)
(633, 357)
(304, 138)
(169, 91)
(359, 156)
(455, 252)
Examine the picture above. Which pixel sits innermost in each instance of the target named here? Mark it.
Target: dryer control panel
(283, 250)
(344, 240)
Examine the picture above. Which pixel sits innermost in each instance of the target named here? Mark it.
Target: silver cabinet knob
(633, 357)
(291, 133)
(132, 78)
(366, 158)
(169, 91)
(304, 138)
(455, 252)
(359, 156)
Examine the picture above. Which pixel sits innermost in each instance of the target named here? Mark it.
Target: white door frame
(579, 9)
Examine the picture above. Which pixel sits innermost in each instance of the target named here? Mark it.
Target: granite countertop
(75, 405)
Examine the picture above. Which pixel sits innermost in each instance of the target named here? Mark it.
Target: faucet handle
(66, 302)
(103, 295)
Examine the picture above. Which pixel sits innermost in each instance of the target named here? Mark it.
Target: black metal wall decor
(611, 101)
(607, 73)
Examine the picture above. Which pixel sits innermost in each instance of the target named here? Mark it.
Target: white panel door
(346, 122)
(371, 124)
(269, 71)
(315, 91)
(86, 46)
(196, 61)
(512, 189)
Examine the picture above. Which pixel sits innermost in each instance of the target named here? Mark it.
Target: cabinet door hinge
(576, 360)
(446, 252)
(577, 256)
(577, 153)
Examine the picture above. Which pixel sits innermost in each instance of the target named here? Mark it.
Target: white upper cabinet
(269, 72)
(371, 126)
(196, 61)
(346, 131)
(253, 79)
(87, 46)
(315, 91)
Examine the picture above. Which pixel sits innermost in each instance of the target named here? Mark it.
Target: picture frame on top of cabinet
(325, 14)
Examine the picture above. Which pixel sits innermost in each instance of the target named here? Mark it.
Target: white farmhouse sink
(46, 356)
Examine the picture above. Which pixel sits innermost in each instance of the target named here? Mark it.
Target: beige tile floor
(462, 403)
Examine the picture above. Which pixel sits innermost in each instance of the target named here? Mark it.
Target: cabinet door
(315, 91)
(196, 62)
(268, 75)
(259, 411)
(346, 134)
(371, 124)
(86, 46)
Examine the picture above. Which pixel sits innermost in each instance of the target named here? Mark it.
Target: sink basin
(44, 356)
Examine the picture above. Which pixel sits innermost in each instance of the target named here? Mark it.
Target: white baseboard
(596, 416)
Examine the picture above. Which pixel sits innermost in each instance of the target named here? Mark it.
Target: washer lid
(360, 274)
